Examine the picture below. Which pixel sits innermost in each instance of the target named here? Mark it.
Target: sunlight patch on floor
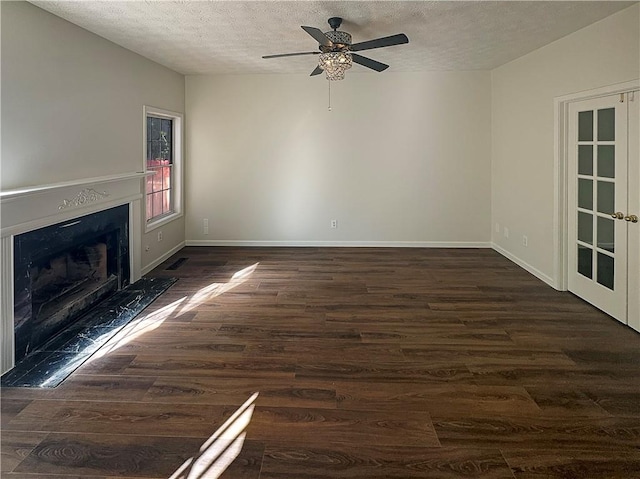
(149, 322)
(221, 449)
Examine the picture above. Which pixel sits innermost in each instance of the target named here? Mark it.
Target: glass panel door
(597, 192)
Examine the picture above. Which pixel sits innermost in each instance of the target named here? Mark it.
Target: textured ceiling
(231, 36)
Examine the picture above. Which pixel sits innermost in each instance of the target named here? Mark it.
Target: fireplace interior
(63, 271)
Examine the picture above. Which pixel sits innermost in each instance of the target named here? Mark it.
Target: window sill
(155, 224)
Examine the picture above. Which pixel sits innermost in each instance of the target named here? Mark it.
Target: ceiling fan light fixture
(335, 64)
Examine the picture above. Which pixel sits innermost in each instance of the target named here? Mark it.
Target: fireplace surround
(31, 219)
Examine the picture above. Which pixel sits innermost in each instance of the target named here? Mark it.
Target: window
(163, 159)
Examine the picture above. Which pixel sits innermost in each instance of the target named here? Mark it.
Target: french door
(604, 205)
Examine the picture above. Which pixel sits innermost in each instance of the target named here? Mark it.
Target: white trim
(561, 106)
(161, 221)
(177, 168)
(163, 258)
(607, 90)
(135, 239)
(30, 190)
(70, 215)
(7, 340)
(524, 265)
(343, 244)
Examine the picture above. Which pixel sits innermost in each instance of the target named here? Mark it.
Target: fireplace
(33, 219)
(63, 270)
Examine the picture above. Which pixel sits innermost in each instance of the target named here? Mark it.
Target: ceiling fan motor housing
(341, 40)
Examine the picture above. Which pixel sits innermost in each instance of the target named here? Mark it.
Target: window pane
(157, 179)
(149, 187)
(585, 126)
(606, 228)
(605, 270)
(157, 204)
(166, 201)
(606, 124)
(585, 227)
(155, 150)
(585, 261)
(166, 139)
(149, 208)
(585, 194)
(155, 129)
(606, 161)
(606, 197)
(585, 160)
(166, 177)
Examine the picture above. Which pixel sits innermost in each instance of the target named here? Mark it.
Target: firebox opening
(66, 285)
(65, 270)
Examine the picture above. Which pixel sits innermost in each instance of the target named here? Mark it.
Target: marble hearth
(63, 246)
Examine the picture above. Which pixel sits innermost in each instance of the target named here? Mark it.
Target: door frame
(560, 170)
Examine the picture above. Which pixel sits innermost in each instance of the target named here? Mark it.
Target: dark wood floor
(368, 363)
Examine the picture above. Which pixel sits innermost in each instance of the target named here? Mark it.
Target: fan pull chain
(329, 82)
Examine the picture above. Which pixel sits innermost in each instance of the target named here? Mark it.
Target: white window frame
(177, 179)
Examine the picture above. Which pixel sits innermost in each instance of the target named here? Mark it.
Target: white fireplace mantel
(26, 209)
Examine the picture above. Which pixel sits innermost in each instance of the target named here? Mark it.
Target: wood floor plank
(561, 401)
(437, 398)
(326, 426)
(382, 462)
(12, 406)
(214, 391)
(323, 350)
(88, 387)
(15, 446)
(621, 402)
(569, 378)
(540, 432)
(209, 366)
(563, 463)
(489, 355)
(386, 372)
(195, 420)
(109, 454)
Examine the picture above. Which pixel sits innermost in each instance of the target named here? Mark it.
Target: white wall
(523, 127)
(403, 157)
(72, 106)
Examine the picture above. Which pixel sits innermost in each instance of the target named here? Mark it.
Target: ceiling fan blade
(369, 63)
(398, 39)
(317, 71)
(320, 37)
(290, 54)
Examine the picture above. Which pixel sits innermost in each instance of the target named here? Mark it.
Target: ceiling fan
(337, 52)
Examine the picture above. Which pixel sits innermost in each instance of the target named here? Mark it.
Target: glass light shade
(335, 64)
(335, 75)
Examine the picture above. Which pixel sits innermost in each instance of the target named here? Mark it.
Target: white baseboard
(163, 258)
(343, 244)
(526, 266)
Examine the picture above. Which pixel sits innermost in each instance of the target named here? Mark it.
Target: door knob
(631, 218)
(617, 216)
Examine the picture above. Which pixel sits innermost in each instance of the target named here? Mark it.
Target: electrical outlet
(147, 247)
(497, 227)
(506, 232)
(160, 237)
(205, 226)
(525, 240)
(334, 223)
